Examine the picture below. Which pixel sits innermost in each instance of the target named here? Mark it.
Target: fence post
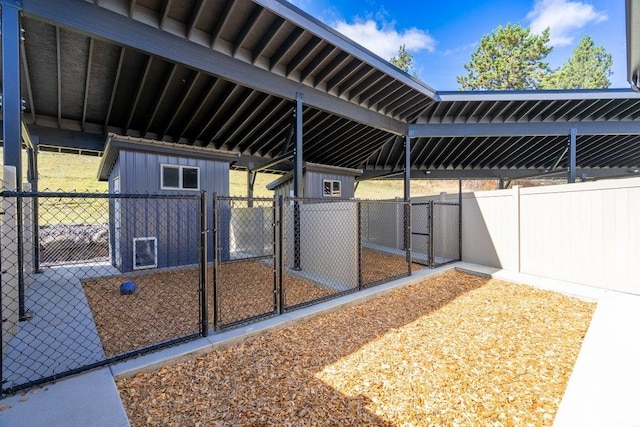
(408, 239)
(216, 220)
(359, 237)
(275, 245)
(460, 219)
(281, 252)
(431, 235)
(204, 315)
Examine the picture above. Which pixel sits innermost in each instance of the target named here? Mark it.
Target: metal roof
(223, 74)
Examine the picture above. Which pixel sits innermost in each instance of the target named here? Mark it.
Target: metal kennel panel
(97, 278)
(320, 250)
(244, 268)
(385, 246)
(446, 232)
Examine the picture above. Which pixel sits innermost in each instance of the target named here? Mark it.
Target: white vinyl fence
(587, 233)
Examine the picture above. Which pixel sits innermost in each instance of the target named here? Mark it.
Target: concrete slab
(604, 387)
(90, 399)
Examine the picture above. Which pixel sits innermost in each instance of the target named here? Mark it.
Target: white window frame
(155, 253)
(180, 175)
(332, 182)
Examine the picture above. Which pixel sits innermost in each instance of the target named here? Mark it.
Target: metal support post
(251, 179)
(216, 228)
(298, 158)
(572, 156)
(298, 189)
(460, 219)
(281, 252)
(275, 260)
(359, 239)
(11, 101)
(407, 168)
(204, 314)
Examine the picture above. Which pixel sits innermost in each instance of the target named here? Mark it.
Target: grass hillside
(73, 172)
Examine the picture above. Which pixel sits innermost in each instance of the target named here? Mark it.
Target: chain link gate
(67, 268)
(244, 263)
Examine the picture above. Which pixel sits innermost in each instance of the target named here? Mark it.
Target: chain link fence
(90, 279)
(244, 268)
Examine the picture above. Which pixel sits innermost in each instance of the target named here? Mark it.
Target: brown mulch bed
(454, 349)
(165, 305)
(378, 266)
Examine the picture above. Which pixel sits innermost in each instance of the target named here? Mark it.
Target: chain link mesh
(70, 261)
(88, 278)
(245, 275)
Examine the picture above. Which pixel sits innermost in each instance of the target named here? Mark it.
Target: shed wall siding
(174, 222)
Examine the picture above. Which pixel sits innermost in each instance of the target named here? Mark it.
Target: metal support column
(251, 179)
(407, 199)
(204, 301)
(11, 101)
(298, 159)
(407, 168)
(572, 156)
(297, 182)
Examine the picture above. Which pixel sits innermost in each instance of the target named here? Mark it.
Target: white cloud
(563, 17)
(383, 39)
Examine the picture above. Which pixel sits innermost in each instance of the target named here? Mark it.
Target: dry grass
(453, 350)
(166, 304)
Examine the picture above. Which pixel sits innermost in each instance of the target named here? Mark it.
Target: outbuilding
(144, 231)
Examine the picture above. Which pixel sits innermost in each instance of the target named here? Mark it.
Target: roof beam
(248, 27)
(59, 76)
(496, 173)
(304, 53)
(116, 80)
(193, 19)
(291, 39)
(101, 23)
(266, 38)
(27, 75)
(165, 13)
(85, 99)
(185, 95)
(524, 129)
(222, 21)
(161, 95)
(136, 99)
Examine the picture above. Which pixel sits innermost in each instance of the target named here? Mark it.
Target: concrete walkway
(603, 390)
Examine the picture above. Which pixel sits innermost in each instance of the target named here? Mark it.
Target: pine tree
(509, 58)
(588, 68)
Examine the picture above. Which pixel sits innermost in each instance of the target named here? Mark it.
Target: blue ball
(128, 287)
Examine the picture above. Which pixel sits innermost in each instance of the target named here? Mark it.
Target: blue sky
(442, 34)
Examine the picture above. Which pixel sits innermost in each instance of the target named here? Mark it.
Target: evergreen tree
(404, 60)
(510, 57)
(588, 68)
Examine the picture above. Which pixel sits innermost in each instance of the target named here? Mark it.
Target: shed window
(331, 188)
(176, 177)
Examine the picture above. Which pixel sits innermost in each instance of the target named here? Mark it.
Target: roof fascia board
(523, 129)
(293, 14)
(538, 95)
(101, 23)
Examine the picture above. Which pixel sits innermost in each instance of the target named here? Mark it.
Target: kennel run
(202, 263)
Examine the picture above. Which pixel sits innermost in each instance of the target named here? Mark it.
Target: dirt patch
(454, 349)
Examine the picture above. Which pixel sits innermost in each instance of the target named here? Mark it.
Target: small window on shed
(174, 177)
(331, 188)
(145, 252)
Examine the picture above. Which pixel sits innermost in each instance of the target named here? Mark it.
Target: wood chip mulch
(165, 305)
(454, 349)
